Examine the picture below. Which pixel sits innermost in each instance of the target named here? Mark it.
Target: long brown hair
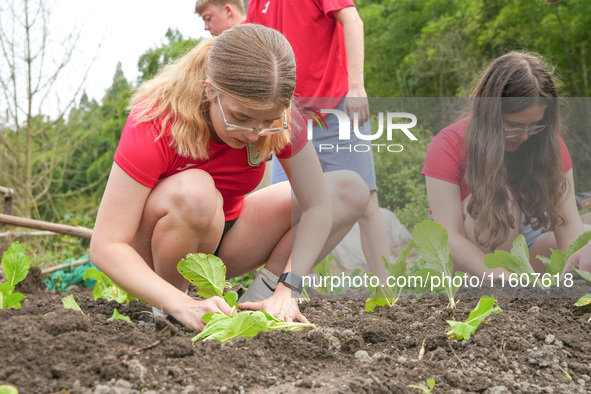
(251, 63)
(534, 173)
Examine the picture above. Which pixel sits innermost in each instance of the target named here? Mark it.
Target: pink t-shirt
(236, 172)
(446, 156)
(317, 40)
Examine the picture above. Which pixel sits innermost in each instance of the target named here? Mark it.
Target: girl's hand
(192, 313)
(281, 305)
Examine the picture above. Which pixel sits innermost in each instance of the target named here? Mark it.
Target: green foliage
(431, 242)
(208, 272)
(205, 271)
(8, 389)
(517, 261)
(106, 288)
(151, 61)
(426, 390)
(401, 187)
(15, 264)
(555, 264)
(463, 330)
(389, 295)
(245, 324)
(118, 316)
(70, 303)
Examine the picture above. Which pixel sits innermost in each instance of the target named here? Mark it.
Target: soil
(534, 345)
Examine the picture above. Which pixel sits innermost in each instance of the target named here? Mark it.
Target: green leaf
(585, 300)
(118, 316)
(381, 296)
(517, 261)
(245, 324)
(15, 263)
(431, 243)
(231, 298)
(205, 271)
(431, 383)
(578, 243)
(70, 303)
(584, 274)
(323, 267)
(105, 287)
(8, 389)
(463, 330)
(558, 258)
(9, 299)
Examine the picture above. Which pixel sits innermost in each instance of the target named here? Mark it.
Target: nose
(524, 136)
(252, 136)
(206, 26)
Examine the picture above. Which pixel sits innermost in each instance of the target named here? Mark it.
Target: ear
(209, 90)
(229, 10)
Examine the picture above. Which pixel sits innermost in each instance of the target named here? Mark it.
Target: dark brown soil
(534, 345)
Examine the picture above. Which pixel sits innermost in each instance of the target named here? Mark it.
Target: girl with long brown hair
(504, 169)
(193, 148)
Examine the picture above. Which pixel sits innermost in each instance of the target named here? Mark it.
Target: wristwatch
(292, 281)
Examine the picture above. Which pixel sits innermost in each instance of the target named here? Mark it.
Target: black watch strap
(292, 281)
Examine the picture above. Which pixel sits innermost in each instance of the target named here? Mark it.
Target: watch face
(292, 281)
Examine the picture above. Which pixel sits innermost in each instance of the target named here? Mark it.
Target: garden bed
(534, 345)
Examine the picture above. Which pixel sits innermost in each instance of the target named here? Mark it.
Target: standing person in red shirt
(220, 15)
(328, 41)
(193, 148)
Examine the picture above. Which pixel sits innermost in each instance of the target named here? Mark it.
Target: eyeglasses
(512, 133)
(244, 130)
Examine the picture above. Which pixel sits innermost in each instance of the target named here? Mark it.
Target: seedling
(426, 390)
(118, 316)
(463, 330)
(106, 288)
(555, 264)
(386, 295)
(16, 265)
(208, 272)
(431, 242)
(70, 303)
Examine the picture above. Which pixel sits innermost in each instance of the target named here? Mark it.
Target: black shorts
(227, 226)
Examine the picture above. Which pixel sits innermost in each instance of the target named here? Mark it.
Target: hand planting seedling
(463, 330)
(208, 272)
(16, 265)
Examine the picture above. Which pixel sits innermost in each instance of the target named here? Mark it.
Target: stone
(348, 254)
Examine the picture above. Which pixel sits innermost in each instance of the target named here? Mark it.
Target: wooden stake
(81, 232)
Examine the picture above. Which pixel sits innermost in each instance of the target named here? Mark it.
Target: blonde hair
(201, 4)
(251, 63)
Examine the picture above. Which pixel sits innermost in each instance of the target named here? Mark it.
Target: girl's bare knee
(350, 192)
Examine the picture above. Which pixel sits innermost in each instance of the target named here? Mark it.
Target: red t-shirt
(317, 40)
(446, 156)
(234, 171)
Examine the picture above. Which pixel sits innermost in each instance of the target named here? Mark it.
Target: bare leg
(375, 241)
(183, 214)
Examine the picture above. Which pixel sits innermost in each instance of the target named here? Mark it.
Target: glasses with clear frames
(515, 132)
(245, 130)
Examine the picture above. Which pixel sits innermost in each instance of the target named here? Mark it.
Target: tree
(33, 146)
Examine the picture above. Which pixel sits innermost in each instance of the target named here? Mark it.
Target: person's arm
(309, 186)
(117, 221)
(447, 210)
(573, 226)
(354, 45)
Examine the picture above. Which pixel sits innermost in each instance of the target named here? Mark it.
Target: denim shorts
(531, 236)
